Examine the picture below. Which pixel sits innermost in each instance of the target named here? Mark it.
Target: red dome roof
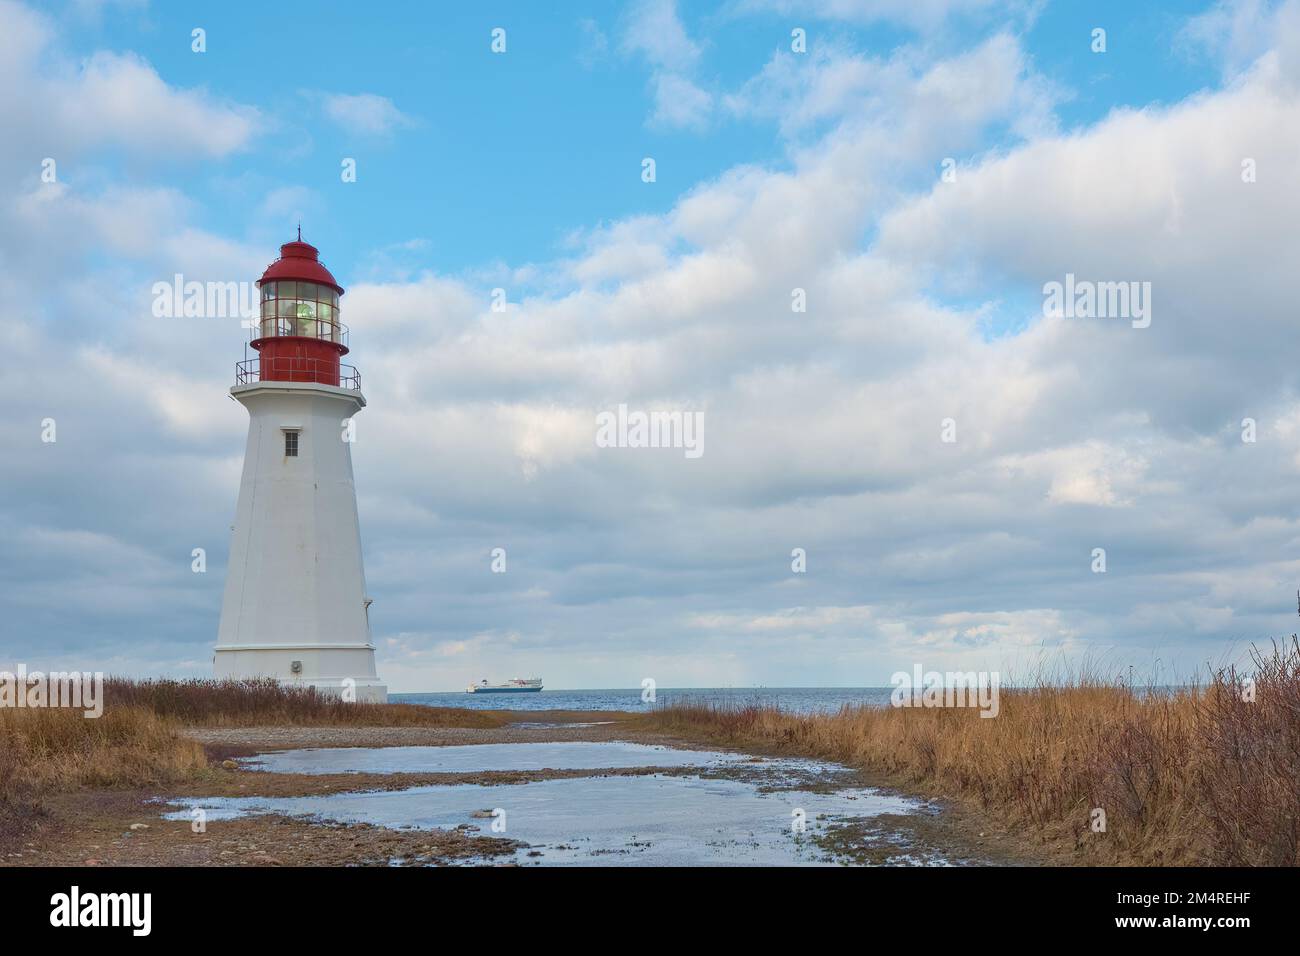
(299, 260)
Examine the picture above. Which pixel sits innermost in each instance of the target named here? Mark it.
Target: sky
(949, 454)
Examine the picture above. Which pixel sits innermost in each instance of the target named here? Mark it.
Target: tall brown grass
(43, 749)
(139, 739)
(1198, 775)
(256, 702)
(46, 750)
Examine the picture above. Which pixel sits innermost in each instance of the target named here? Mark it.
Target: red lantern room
(299, 337)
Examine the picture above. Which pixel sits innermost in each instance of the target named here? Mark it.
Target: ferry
(516, 686)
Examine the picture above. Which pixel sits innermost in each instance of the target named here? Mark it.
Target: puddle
(715, 809)
(471, 758)
(625, 821)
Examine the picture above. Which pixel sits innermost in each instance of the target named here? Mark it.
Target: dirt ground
(126, 828)
(534, 728)
(123, 828)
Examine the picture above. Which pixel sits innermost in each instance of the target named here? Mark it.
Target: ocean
(803, 700)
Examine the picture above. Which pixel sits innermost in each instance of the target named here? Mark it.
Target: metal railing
(283, 368)
(304, 327)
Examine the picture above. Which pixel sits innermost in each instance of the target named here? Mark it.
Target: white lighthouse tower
(295, 605)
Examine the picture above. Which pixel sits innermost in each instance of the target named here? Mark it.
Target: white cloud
(679, 103)
(804, 89)
(365, 113)
(655, 32)
(823, 426)
(833, 84)
(109, 99)
(1236, 32)
(122, 100)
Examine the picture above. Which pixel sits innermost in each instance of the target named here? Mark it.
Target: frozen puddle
(645, 820)
(474, 758)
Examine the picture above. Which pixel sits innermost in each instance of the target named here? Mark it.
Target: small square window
(290, 444)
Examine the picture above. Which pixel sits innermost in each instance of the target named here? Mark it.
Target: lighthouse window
(306, 309)
(290, 444)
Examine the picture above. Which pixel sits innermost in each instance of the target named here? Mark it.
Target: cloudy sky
(920, 171)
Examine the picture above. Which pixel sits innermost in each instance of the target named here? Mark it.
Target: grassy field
(139, 740)
(1201, 776)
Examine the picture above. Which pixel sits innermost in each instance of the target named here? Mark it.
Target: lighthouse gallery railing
(293, 369)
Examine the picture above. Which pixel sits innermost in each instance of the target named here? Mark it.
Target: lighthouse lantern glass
(300, 308)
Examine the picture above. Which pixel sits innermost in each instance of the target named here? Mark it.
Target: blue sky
(776, 171)
(507, 155)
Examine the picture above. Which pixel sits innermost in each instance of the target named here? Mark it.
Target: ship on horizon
(516, 686)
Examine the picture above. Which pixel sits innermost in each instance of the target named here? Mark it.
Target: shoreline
(125, 827)
(1086, 772)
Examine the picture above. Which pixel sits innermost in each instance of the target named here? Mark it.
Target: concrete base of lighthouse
(295, 606)
(332, 672)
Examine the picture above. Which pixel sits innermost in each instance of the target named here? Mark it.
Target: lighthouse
(295, 605)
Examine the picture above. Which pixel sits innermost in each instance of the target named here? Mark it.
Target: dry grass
(1199, 776)
(45, 750)
(56, 748)
(138, 741)
(253, 703)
